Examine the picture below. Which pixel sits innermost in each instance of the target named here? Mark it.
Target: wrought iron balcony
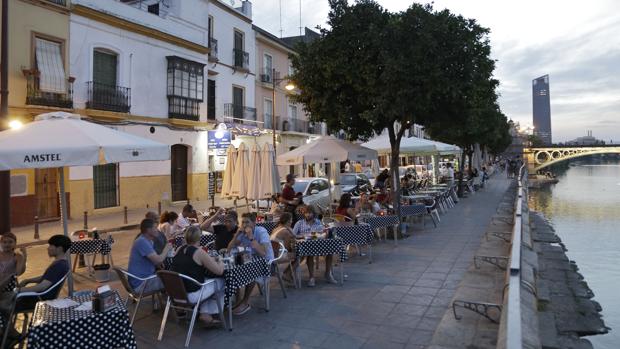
(268, 122)
(183, 108)
(302, 126)
(241, 59)
(108, 97)
(240, 114)
(62, 97)
(267, 76)
(213, 52)
(58, 2)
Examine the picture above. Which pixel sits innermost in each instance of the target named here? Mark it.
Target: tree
(373, 70)
(534, 141)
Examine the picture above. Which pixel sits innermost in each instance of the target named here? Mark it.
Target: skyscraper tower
(541, 108)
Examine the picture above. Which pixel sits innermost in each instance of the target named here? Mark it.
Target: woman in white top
(168, 226)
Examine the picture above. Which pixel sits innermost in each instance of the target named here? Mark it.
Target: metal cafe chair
(52, 291)
(133, 294)
(178, 299)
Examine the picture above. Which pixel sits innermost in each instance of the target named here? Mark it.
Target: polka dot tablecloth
(205, 239)
(270, 226)
(320, 247)
(382, 221)
(241, 275)
(360, 234)
(413, 210)
(85, 246)
(10, 285)
(70, 328)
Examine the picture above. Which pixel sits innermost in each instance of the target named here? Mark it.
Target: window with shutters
(47, 83)
(185, 88)
(103, 91)
(105, 183)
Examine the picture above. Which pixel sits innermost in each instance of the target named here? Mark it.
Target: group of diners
(13, 265)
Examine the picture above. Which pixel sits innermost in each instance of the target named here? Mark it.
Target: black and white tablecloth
(382, 221)
(102, 246)
(320, 247)
(360, 234)
(70, 328)
(270, 226)
(413, 210)
(241, 275)
(205, 239)
(10, 286)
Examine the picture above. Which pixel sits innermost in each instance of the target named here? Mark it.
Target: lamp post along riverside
(288, 87)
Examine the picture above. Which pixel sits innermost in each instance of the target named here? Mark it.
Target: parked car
(354, 183)
(315, 192)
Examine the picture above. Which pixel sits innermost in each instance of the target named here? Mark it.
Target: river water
(584, 208)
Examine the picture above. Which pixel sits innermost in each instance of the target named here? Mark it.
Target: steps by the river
(566, 310)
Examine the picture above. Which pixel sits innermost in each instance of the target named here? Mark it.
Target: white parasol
(239, 188)
(253, 175)
(231, 158)
(270, 179)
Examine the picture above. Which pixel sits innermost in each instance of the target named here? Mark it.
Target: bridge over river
(539, 158)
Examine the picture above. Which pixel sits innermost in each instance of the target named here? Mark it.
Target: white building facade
(167, 71)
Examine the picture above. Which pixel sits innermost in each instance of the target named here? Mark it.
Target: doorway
(46, 192)
(178, 172)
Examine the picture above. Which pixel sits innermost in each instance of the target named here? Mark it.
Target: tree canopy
(372, 70)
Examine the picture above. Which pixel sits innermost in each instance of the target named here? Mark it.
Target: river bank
(566, 308)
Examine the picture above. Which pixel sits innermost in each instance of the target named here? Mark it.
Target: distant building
(588, 139)
(541, 108)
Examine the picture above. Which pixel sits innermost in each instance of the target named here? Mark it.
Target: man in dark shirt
(228, 230)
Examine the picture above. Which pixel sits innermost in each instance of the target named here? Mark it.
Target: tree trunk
(394, 164)
(461, 170)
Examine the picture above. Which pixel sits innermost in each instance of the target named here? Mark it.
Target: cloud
(577, 45)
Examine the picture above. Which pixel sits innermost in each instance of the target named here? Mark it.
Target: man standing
(288, 194)
(256, 238)
(143, 258)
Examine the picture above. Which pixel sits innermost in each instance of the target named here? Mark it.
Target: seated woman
(345, 207)
(364, 206)
(168, 226)
(277, 208)
(193, 261)
(11, 264)
(304, 226)
(283, 233)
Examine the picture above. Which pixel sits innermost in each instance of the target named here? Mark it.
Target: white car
(315, 192)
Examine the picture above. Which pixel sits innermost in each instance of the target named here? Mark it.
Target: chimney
(246, 8)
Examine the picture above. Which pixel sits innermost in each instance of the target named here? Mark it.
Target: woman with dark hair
(167, 224)
(11, 264)
(345, 207)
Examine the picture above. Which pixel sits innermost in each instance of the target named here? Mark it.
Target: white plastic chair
(133, 294)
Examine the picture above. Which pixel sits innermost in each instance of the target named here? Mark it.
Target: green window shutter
(104, 68)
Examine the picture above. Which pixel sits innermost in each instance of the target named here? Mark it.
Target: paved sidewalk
(395, 302)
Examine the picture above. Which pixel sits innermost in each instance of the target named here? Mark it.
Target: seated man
(187, 217)
(258, 239)
(143, 258)
(160, 240)
(226, 231)
(58, 245)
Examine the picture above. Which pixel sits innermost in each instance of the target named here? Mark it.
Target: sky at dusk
(577, 43)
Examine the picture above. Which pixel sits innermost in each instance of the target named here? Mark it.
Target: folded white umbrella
(326, 149)
(61, 139)
(231, 158)
(239, 187)
(254, 173)
(269, 177)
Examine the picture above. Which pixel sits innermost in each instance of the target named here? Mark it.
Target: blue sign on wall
(218, 139)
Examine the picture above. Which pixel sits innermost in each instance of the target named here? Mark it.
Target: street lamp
(15, 124)
(288, 87)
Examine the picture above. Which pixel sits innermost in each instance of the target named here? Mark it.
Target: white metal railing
(512, 303)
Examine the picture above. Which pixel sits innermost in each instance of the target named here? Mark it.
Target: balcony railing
(35, 96)
(213, 52)
(183, 108)
(302, 126)
(58, 2)
(267, 76)
(268, 121)
(108, 97)
(242, 114)
(241, 59)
